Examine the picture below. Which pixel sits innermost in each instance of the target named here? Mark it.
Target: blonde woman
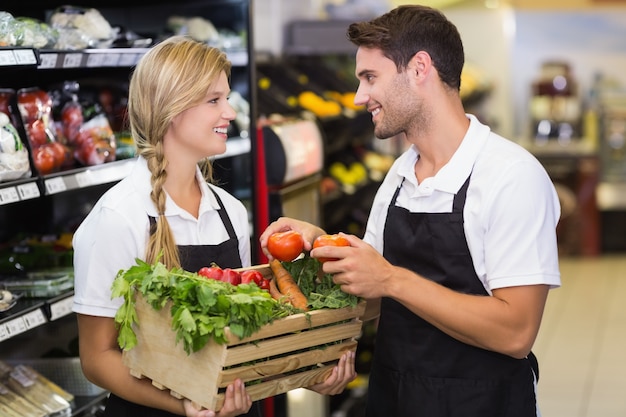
(179, 113)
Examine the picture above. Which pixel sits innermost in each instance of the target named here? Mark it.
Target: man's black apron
(192, 257)
(418, 370)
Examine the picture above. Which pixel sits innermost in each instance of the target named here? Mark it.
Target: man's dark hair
(406, 30)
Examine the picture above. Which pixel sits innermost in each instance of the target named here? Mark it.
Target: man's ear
(421, 64)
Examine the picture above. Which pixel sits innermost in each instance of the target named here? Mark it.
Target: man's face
(386, 93)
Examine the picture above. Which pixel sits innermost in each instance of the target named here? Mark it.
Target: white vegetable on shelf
(13, 156)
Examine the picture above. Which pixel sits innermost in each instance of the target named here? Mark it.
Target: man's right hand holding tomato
(308, 231)
(344, 372)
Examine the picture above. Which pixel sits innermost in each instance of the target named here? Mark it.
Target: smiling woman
(164, 210)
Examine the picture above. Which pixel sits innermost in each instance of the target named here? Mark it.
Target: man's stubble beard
(402, 113)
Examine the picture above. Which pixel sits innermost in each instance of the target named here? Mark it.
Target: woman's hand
(236, 402)
(341, 375)
(308, 231)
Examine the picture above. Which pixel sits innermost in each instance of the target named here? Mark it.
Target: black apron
(192, 257)
(418, 370)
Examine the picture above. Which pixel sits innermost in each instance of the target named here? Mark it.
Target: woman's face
(201, 130)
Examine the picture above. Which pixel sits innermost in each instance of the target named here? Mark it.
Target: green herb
(201, 308)
(318, 287)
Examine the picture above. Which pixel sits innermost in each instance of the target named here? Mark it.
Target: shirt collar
(451, 176)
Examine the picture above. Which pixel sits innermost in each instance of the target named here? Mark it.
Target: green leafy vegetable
(318, 287)
(201, 308)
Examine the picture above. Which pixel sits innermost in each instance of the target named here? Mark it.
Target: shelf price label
(55, 185)
(28, 191)
(95, 60)
(128, 60)
(48, 60)
(21, 324)
(7, 58)
(61, 308)
(111, 60)
(84, 179)
(25, 56)
(72, 60)
(8, 195)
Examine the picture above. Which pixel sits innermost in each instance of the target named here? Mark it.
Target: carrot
(287, 285)
(275, 293)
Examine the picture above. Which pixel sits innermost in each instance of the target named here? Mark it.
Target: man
(460, 245)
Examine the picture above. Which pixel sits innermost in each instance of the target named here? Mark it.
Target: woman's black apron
(418, 370)
(193, 257)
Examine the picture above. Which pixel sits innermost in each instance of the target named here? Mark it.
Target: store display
(81, 28)
(25, 32)
(555, 105)
(85, 76)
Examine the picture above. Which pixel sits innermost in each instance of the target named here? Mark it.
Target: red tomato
(329, 240)
(285, 246)
(231, 276)
(250, 276)
(211, 272)
(265, 284)
(44, 161)
(59, 152)
(37, 132)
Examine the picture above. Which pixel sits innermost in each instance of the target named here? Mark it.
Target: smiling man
(460, 248)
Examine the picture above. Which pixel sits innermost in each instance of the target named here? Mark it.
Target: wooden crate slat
(295, 341)
(285, 364)
(282, 384)
(301, 321)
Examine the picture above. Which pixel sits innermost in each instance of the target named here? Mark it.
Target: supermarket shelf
(86, 177)
(30, 313)
(13, 57)
(49, 59)
(19, 190)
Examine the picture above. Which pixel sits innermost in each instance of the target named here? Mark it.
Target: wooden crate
(293, 352)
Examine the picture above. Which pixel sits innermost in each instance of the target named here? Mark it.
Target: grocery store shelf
(29, 313)
(87, 177)
(10, 57)
(26, 189)
(89, 58)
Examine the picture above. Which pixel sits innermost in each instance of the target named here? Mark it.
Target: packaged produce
(14, 162)
(35, 107)
(81, 28)
(25, 32)
(83, 126)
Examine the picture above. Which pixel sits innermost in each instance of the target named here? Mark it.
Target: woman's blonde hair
(173, 76)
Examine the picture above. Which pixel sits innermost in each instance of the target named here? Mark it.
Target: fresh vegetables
(211, 272)
(253, 276)
(330, 240)
(234, 277)
(287, 286)
(319, 288)
(285, 246)
(202, 308)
